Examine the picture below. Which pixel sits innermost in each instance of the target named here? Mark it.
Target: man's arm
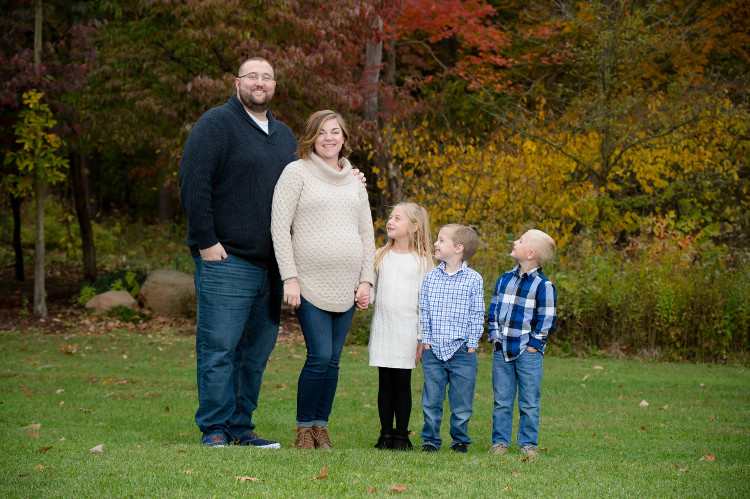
(202, 157)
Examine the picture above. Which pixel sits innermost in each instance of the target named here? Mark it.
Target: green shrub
(125, 314)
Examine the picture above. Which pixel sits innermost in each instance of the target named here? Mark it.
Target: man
(232, 159)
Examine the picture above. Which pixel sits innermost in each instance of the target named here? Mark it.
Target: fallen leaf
(643, 403)
(44, 449)
(98, 449)
(23, 475)
(598, 367)
(709, 457)
(59, 390)
(33, 435)
(372, 489)
(514, 472)
(189, 472)
(168, 443)
(397, 489)
(525, 459)
(166, 409)
(323, 474)
(506, 489)
(543, 449)
(664, 408)
(85, 410)
(243, 479)
(621, 396)
(34, 426)
(643, 428)
(63, 438)
(585, 377)
(681, 470)
(39, 467)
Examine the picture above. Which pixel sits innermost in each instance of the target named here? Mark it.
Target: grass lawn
(134, 392)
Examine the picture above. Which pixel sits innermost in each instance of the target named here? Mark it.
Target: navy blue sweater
(228, 172)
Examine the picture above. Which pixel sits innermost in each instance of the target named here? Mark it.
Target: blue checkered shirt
(522, 311)
(452, 308)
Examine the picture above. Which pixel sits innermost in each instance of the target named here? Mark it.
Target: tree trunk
(166, 211)
(15, 206)
(40, 304)
(78, 176)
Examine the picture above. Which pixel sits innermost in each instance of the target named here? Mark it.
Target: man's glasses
(255, 77)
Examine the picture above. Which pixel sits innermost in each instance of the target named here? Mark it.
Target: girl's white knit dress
(395, 323)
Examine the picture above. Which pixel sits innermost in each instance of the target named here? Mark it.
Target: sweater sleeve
(285, 198)
(366, 232)
(202, 157)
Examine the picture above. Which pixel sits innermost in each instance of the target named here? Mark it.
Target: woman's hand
(292, 293)
(362, 295)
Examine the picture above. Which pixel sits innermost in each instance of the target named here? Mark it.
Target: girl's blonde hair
(419, 240)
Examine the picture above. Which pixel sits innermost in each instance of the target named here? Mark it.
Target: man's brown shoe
(305, 438)
(321, 438)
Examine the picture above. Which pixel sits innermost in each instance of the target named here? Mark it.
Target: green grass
(136, 395)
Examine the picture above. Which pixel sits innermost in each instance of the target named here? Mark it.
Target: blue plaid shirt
(452, 308)
(522, 311)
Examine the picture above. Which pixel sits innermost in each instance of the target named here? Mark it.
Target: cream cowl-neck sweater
(322, 232)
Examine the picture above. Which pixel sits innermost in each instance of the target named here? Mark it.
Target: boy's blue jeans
(325, 333)
(239, 307)
(459, 375)
(524, 374)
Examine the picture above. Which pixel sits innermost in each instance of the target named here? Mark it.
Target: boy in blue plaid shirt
(451, 304)
(522, 314)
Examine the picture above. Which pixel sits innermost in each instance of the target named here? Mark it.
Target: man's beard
(246, 97)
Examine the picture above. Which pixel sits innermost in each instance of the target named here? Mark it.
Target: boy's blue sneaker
(214, 441)
(460, 447)
(429, 448)
(253, 439)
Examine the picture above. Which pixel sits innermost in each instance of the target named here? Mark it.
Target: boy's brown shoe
(529, 450)
(499, 449)
(305, 438)
(321, 438)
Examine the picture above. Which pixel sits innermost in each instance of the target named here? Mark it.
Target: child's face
(399, 226)
(444, 245)
(522, 248)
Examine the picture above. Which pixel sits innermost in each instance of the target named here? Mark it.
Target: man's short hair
(461, 234)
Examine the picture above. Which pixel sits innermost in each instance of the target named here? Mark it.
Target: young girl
(395, 337)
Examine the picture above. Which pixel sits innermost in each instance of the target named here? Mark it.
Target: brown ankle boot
(321, 438)
(305, 438)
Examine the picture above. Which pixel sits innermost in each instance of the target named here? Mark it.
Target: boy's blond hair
(465, 236)
(543, 245)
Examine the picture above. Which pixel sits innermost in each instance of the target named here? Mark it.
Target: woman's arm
(285, 199)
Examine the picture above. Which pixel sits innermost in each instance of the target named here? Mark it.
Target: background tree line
(620, 127)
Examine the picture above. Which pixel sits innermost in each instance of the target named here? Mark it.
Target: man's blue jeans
(459, 375)
(524, 373)
(239, 309)
(325, 334)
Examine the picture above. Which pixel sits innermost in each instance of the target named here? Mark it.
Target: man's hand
(214, 253)
(359, 175)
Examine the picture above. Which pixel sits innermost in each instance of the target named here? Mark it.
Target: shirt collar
(530, 274)
(460, 269)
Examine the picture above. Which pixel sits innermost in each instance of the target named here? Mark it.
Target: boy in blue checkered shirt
(451, 304)
(522, 314)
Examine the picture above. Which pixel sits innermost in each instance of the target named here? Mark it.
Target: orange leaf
(514, 472)
(34, 426)
(323, 474)
(397, 489)
(44, 449)
(39, 467)
(371, 489)
(681, 470)
(33, 435)
(709, 457)
(506, 489)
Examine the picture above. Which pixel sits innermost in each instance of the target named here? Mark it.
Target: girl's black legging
(394, 397)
